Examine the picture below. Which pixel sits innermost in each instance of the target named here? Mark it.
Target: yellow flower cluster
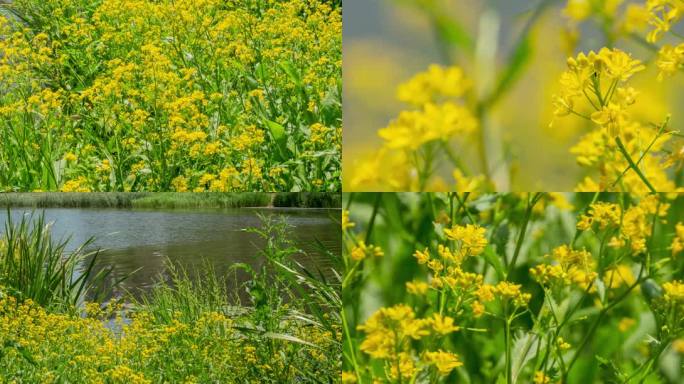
(635, 223)
(571, 266)
(674, 291)
(411, 141)
(167, 92)
(102, 347)
(595, 88)
(471, 239)
(662, 14)
(670, 60)
(361, 251)
(389, 332)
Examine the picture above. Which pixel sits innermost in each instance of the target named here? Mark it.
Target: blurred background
(387, 41)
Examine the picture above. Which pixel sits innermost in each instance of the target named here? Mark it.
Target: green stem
(596, 323)
(648, 148)
(632, 165)
(507, 330)
(350, 344)
(523, 230)
(371, 223)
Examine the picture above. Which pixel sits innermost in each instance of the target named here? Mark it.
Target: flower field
(189, 328)
(513, 288)
(208, 95)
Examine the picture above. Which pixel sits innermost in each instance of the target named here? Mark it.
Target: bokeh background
(385, 42)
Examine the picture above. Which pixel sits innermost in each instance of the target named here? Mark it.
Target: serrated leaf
(524, 349)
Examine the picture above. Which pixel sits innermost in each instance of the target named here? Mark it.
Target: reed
(34, 266)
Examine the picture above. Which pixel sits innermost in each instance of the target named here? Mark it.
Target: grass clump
(308, 200)
(34, 266)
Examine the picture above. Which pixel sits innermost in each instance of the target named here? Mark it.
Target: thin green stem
(350, 344)
(632, 165)
(371, 223)
(648, 148)
(523, 230)
(507, 334)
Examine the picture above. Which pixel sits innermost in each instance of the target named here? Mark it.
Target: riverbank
(170, 200)
(189, 327)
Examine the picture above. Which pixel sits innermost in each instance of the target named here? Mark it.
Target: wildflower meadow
(208, 95)
(513, 288)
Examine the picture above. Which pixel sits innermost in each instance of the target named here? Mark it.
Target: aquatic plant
(36, 267)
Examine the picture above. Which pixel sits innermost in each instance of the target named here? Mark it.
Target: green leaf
(452, 32)
(279, 135)
(494, 260)
(519, 59)
(276, 129)
(291, 71)
(524, 349)
(285, 337)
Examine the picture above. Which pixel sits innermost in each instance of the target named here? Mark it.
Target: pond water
(145, 240)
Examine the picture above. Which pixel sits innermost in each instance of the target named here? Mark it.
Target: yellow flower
(346, 224)
(678, 346)
(436, 82)
(416, 287)
(670, 60)
(348, 378)
(625, 324)
(443, 324)
(674, 291)
(471, 238)
(422, 256)
(477, 308)
(434, 122)
(578, 10)
(70, 157)
(510, 291)
(541, 378)
(663, 13)
(445, 362)
(562, 344)
(612, 118)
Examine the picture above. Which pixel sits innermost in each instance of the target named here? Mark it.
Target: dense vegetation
(172, 200)
(513, 288)
(191, 95)
(188, 329)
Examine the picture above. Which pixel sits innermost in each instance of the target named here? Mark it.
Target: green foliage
(34, 266)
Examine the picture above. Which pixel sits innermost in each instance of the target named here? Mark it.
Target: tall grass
(308, 200)
(287, 303)
(185, 297)
(70, 199)
(34, 266)
(203, 200)
(170, 200)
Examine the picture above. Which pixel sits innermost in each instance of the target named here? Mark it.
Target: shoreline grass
(170, 200)
(185, 330)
